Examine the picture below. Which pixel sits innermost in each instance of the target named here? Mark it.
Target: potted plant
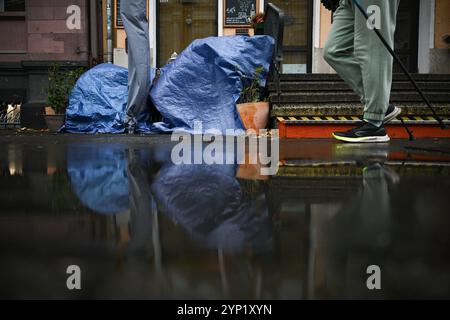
(252, 106)
(60, 86)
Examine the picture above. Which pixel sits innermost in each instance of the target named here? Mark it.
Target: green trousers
(359, 56)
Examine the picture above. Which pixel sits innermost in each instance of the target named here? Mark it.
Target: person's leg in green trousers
(359, 57)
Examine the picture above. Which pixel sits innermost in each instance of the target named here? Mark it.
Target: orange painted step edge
(323, 131)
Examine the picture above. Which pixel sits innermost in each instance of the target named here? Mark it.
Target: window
(12, 5)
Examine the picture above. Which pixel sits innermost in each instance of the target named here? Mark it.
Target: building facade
(36, 33)
(422, 37)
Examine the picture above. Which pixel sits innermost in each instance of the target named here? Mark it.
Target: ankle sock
(374, 122)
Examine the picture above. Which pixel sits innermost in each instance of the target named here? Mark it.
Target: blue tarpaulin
(99, 100)
(202, 84)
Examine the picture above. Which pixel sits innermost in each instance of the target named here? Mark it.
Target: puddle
(139, 226)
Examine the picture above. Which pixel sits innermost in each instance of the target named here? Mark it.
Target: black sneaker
(130, 125)
(364, 133)
(392, 113)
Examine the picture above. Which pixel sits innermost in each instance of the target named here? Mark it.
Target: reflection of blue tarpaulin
(99, 178)
(207, 201)
(203, 84)
(98, 174)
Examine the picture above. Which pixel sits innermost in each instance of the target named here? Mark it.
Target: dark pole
(402, 66)
(93, 32)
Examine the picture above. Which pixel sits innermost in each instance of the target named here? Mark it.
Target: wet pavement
(139, 226)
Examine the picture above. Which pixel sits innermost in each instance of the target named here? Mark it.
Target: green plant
(252, 91)
(61, 83)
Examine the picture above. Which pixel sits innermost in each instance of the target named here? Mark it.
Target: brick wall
(15, 47)
(48, 37)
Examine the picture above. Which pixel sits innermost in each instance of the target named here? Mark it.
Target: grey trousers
(134, 16)
(360, 58)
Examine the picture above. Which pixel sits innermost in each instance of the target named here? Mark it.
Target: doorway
(179, 22)
(407, 35)
(297, 47)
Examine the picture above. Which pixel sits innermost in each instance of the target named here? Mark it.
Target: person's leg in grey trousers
(134, 16)
(354, 50)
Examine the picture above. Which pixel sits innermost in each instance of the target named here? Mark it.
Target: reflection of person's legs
(357, 233)
(375, 197)
(134, 16)
(142, 206)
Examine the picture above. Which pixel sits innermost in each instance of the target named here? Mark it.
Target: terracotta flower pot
(254, 115)
(49, 111)
(54, 122)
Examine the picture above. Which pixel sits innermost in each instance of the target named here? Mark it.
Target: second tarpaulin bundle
(202, 84)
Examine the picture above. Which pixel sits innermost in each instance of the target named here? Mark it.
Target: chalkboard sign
(118, 20)
(240, 12)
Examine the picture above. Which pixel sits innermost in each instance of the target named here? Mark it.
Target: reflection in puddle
(210, 203)
(142, 227)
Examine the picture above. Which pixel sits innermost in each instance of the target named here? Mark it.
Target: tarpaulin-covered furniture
(203, 84)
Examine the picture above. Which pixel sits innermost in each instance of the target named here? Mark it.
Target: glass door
(297, 35)
(182, 21)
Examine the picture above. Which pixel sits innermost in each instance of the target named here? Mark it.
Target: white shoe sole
(380, 139)
(394, 114)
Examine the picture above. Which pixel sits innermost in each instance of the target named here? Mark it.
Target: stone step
(348, 96)
(319, 189)
(335, 77)
(308, 86)
(329, 95)
(350, 109)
